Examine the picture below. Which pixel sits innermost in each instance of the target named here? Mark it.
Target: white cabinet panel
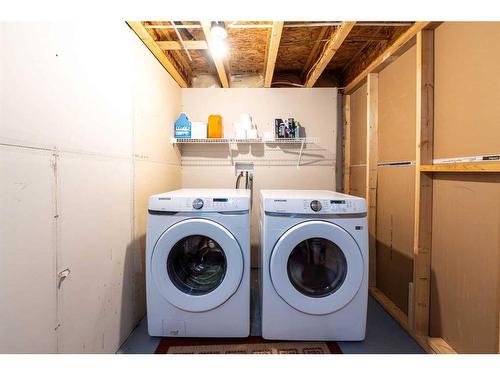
(96, 234)
(27, 252)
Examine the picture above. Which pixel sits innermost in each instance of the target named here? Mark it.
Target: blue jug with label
(182, 127)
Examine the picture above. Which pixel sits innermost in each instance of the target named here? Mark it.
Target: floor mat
(247, 345)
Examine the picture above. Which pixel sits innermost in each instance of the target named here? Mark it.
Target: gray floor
(383, 334)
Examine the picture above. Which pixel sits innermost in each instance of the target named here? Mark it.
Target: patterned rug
(247, 345)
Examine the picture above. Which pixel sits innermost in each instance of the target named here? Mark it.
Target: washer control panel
(316, 206)
(201, 200)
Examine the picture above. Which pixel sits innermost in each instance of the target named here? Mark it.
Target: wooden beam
(423, 182)
(219, 62)
(371, 172)
(272, 52)
(167, 45)
(490, 166)
(329, 50)
(143, 34)
(439, 346)
(399, 46)
(347, 143)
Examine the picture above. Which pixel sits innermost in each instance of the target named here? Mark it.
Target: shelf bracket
(300, 153)
(230, 144)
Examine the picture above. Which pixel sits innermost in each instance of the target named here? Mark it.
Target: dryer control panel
(201, 201)
(311, 203)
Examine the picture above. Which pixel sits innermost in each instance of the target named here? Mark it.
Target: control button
(198, 203)
(316, 206)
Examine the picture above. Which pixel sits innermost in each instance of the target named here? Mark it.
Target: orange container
(214, 126)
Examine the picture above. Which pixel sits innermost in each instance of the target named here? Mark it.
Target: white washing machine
(198, 263)
(314, 275)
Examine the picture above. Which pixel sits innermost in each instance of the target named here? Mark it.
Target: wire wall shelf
(308, 140)
(235, 141)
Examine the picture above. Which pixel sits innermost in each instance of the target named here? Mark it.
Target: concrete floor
(383, 334)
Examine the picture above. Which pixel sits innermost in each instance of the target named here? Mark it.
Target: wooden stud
(423, 181)
(371, 172)
(329, 50)
(347, 143)
(148, 40)
(489, 166)
(397, 48)
(219, 62)
(168, 45)
(272, 51)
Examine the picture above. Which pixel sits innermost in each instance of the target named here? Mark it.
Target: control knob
(198, 204)
(316, 205)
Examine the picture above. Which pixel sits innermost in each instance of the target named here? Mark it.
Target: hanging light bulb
(218, 29)
(218, 48)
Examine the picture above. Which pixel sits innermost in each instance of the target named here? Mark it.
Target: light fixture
(218, 29)
(218, 48)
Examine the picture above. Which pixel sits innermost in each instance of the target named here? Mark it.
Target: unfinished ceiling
(283, 54)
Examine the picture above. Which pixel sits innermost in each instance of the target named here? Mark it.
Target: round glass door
(316, 267)
(196, 265)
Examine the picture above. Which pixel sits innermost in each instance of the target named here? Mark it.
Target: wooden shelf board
(488, 166)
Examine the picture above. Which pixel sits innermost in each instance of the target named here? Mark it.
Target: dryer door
(197, 265)
(316, 267)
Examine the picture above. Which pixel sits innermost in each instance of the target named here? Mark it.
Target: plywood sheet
(467, 89)
(396, 110)
(395, 215)
(358, 126)
(465, 252)
(27, 256)
(357, 181)
(95, 244)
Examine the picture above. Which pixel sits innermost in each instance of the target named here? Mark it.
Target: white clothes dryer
(314, 259)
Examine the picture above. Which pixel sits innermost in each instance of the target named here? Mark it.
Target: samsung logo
(164, 199)
(280, 200)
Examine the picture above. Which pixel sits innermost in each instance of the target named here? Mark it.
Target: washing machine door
(197, 265)
(316, 267)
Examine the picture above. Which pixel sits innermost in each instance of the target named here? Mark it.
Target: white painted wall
(85, 125)
(275, 166)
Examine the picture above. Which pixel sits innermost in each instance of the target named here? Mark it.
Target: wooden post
(347, 143)
(423, 181)
(371, 172)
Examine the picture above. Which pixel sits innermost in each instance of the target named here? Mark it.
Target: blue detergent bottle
(182, 126)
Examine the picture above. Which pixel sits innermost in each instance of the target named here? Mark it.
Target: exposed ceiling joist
(289, 25)
(328, 52)
(272, 51)
(143, 34)
(395, 49)
(219, 63)
(189, 44)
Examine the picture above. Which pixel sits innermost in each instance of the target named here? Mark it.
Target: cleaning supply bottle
(182, 126)
(214, 126)
(297, 130)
